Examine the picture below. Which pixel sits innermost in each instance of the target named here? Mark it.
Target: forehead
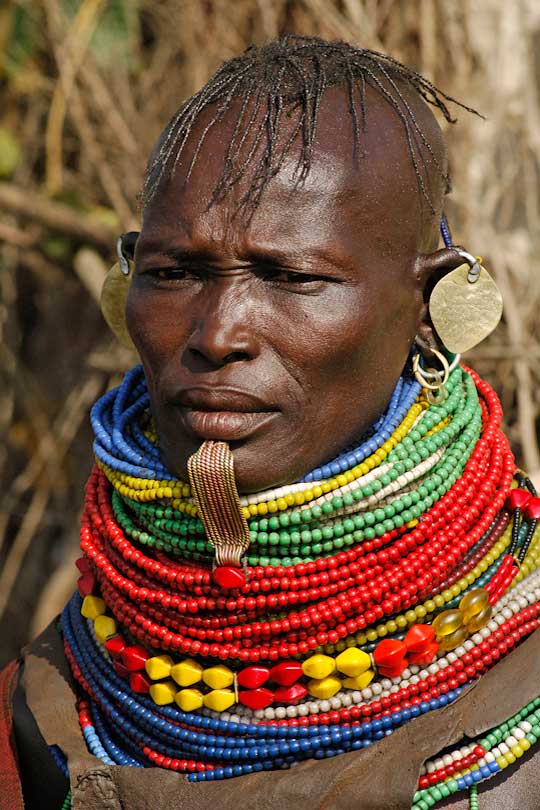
(366, 184)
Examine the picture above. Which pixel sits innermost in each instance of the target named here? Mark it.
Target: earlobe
(430, 269)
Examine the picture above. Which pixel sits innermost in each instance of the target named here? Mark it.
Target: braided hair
(292, 73)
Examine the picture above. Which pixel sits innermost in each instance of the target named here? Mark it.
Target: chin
(258, 465)
(253, 474)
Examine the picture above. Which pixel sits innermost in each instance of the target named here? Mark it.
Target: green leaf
(115, 36)
(10, 152)
(22, 41)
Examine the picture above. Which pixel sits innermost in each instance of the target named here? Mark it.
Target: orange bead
(134, 657)
(256, 698)
(426, 657)
(418, 638)
(390, 654)
(286, 673)
(253, 677)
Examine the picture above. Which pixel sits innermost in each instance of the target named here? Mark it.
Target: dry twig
(104, 114)
(58, 217)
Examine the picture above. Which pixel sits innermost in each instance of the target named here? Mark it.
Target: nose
(223, 331)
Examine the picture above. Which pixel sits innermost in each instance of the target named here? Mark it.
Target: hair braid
(293, 72)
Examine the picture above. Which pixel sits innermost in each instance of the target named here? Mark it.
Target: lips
(223, 414)
(225, 426)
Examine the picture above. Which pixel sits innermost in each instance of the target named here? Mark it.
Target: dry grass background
(85, 88)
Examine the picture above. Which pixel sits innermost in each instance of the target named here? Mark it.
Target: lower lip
(225, 426)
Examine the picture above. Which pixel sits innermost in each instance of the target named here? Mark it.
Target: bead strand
(402, 549)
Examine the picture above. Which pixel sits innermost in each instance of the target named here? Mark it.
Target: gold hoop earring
(432, 379)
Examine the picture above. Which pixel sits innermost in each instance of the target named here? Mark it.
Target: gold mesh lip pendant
(211, 475)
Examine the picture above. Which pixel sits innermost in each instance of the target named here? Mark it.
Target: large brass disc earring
(466, 305)
(114, 294)
(433, 379)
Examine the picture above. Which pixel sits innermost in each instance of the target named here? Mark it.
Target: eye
(175, 273)
(300, 278)
(282, 276)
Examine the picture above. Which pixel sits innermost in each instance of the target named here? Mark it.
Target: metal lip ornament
(465, 306)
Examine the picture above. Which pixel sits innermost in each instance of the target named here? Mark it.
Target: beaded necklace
(375, 589)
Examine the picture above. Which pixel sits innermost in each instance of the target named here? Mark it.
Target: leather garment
(381, 777)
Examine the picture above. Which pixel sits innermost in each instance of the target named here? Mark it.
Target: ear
(430, 268)
(125, 249)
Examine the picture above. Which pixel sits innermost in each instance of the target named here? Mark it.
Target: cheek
(342, 333)
(149, 319)
(356, 350)
(155, 324)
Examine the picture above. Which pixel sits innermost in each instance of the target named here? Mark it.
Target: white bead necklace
(525, 593)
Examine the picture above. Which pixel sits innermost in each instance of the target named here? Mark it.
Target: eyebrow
(179, 253)
(155, 246)
(152, 252)
(255, 255)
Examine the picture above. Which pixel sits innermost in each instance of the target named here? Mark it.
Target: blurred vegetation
(85, 87)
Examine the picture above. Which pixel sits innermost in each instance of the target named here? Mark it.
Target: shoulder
(34, 766)
(11, 797)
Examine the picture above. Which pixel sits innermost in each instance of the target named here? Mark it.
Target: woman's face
(284, 336)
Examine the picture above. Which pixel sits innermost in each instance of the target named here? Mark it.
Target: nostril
(202, 361)
(199, 361)
(235, 357)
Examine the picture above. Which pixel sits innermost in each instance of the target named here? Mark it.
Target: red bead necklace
(178, 607)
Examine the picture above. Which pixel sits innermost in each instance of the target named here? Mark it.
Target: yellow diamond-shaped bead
(159, 667)
(104, 626)
(218, 677)
(163, 693)
(92, 607)
(219, 700)
(353, 662)
(189, 699)
(324, 688)
(187, 672)
(360, 681)
(318, 666)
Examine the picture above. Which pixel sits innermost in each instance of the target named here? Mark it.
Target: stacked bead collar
(393, 557)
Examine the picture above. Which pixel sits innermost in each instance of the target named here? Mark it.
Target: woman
(305, 528)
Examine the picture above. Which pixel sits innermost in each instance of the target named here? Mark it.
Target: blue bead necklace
(121, 444)
(248, 746)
